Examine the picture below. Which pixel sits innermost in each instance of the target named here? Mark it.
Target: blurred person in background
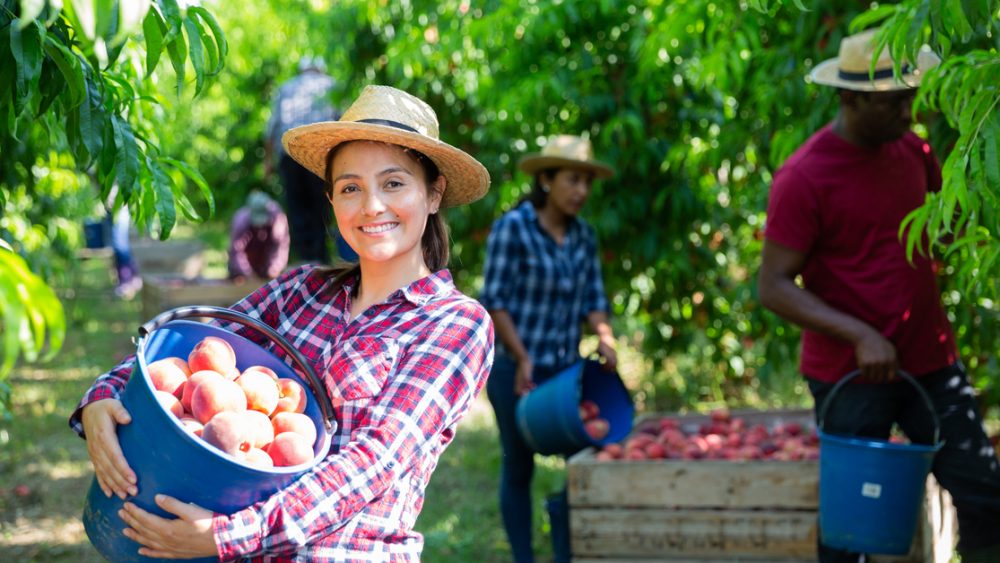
(258, 239)
(303, 99)
(833, 217)
(542, 282)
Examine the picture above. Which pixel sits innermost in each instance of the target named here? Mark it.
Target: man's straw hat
(566, 151)
(851, 69)
(388, 115)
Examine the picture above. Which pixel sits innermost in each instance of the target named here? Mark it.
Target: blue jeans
(966, 466)
(517, 462)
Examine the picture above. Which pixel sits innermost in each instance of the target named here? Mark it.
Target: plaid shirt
(547, 289)
(303, 99)
(401, 376)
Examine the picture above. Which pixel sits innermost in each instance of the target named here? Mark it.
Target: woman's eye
(348, 188)
(393, 184)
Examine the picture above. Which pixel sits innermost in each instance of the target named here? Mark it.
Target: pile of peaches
(254, 416)
(723, 437)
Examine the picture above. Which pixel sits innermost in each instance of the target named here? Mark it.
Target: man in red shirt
(833, 217)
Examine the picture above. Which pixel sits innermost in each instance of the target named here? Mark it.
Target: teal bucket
(548, 417)
(168, 459)
(871, 491)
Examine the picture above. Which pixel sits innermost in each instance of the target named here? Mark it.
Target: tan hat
(565, 151)
(851, 70)
(388, 115)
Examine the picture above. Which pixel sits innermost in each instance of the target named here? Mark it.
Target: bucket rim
(872, 443)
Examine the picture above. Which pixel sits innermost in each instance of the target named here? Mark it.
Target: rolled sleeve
(502, 257)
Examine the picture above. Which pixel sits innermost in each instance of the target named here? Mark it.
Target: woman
(542, 280)
(402, 352)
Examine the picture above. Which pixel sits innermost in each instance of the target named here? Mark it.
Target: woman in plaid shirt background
(542, 281)
(401, 351)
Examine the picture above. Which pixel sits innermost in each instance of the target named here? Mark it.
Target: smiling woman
(402, 352)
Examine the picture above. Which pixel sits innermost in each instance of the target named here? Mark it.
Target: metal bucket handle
(905, 376)
(325, 406)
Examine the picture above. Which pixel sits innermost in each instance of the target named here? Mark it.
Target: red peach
(294, 422)
(270, 372)
(289, 448)
(291, 396)
(589, 410)
(214, 396)
(616, 450)
(260, 428)
(259, 458)
(260, 389)
(215, 354)
(167, 375)
(192, 425)
(169, 403)
(656, 450)
(597, 428)
(228, 432)
(192, 383)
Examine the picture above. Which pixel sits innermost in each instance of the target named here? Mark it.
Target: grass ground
(460, 519)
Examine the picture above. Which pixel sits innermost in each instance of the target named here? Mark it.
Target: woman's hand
(100, 420)
(606, 350)
(523, 382)
(876, 357)
(187, 537)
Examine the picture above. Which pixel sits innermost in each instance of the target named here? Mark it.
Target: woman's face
(569, 189)
(381, 201)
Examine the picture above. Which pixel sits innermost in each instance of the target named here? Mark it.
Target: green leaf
(163, 190)
(126, 155)
(131, 16)
(92, 120)
(26, 49)
(84, 18)
(197, 178)
(70, 67)
(172, 15)
(177, 49)
(992, 160)
(222, 46)
(196, 50)
(153, 28)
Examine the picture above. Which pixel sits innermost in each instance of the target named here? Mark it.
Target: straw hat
(388, 115)
(851, 69)
(566, 151)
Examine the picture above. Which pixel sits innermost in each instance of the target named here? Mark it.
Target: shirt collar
(529, 212)
(419, 292)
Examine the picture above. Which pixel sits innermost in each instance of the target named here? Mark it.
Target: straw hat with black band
(388, 115)
(852, 69)
(565, 151)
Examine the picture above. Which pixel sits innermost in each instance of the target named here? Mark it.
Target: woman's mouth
(380, 228)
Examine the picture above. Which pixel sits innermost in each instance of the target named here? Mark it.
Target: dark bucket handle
(325, 406)
(905, 376)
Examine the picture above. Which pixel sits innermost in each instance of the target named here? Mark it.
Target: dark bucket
(549, 416)
(167, 459)
(871, 491)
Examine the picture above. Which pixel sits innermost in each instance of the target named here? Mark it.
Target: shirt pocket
(361, 367)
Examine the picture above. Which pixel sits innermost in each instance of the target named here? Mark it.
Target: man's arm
(876, 356)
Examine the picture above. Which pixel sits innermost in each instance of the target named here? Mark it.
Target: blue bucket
(871, 491)
(168, 459)
(548, 417)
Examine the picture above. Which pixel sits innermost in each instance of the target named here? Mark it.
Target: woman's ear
(437, 192)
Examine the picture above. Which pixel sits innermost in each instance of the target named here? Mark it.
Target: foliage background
(695, 102)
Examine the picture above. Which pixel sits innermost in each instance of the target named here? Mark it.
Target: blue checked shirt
(547, 289)
(302, 100)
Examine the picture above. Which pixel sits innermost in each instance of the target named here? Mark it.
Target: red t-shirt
(842, 205)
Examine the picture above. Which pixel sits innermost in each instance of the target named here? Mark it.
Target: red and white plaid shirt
(401, 376)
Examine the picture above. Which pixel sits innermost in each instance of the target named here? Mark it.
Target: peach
(214, 396)
(588, 410)
(193, 382)
(167, 375)
(264, 369)
(597, 428)
(215, 354)
(291, 396)
(260, 427)
(260, 389)
(290, 448)
(294, 422)
(228, 432)
(192, 425)
(259, 458)
(169, 403)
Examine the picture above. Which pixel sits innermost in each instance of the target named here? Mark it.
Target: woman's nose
(373, 204)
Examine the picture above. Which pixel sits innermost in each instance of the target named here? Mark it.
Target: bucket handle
(325, 406)
(905, 376)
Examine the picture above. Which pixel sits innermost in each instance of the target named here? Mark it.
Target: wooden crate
(715, 510)
(160, 293)
(180, 258)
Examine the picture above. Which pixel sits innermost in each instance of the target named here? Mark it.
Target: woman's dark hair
(538, 196)
(434, 241)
